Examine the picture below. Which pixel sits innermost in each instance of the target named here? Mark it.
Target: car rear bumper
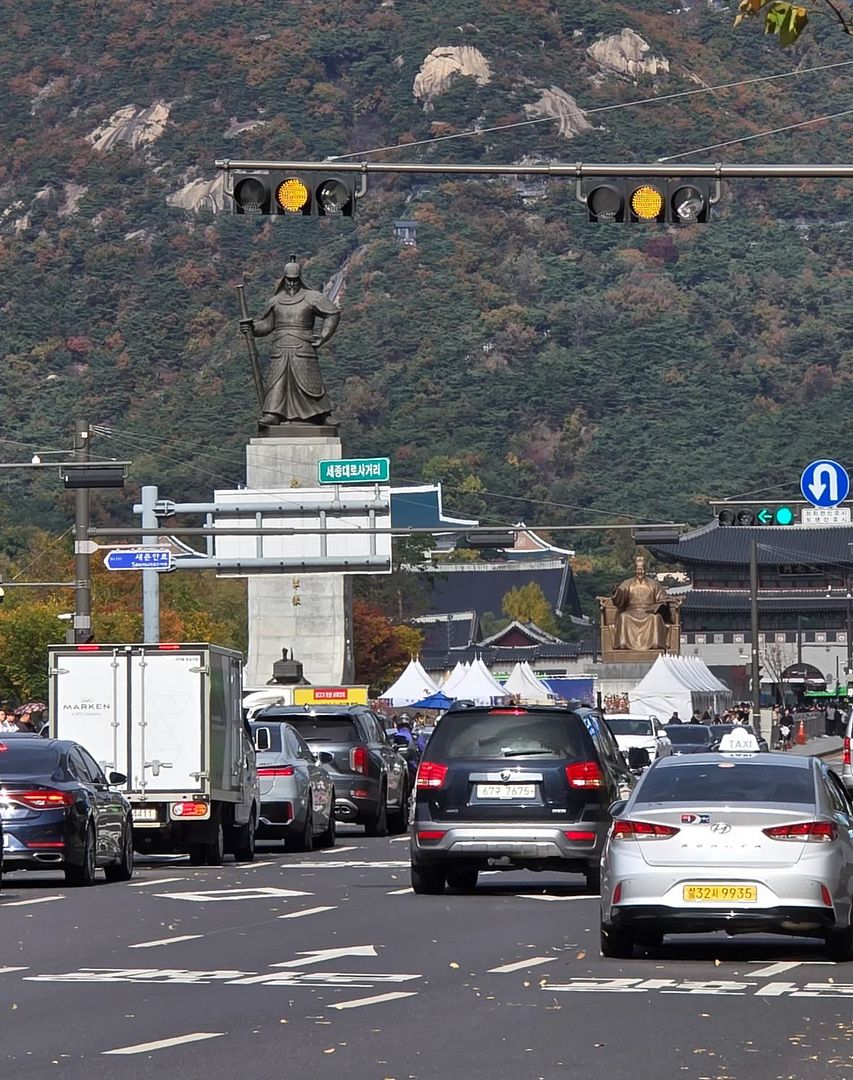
(276, 817)
(356, 798)
(668, 920)
(521, 844)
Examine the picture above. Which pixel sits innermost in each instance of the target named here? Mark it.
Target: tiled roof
(731, 545)
(737, 600)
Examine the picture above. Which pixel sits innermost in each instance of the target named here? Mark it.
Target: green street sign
(354, 471)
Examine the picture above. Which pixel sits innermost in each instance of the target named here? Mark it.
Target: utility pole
(753, 623)
(82, 625)
(150, 578)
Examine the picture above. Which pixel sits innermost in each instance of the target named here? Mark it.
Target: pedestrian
(6, 721)
(675, 719)
(694, 719)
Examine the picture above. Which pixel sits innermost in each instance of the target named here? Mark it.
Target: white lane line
(163, 1044)
(9, 970)
(774, 969)
(156, 881)
(338, 850)
(307, 911)
(258, 865)
(38, 900)
(400, 892)
(265, 892)
(546, 896)
(520, 965)
(397, 840)
(376, 1000)
(165, 941)
(343, 864)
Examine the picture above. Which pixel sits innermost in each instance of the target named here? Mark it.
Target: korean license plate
(716, 894)
(506, 791)
(145, 813)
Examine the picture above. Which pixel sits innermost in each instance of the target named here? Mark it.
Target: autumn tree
(787, 21)
(381, 648)
(528, 604)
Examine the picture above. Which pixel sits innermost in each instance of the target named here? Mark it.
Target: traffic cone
(801, 733)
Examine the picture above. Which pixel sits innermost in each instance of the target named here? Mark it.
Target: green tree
(528, 604)
(787, 21)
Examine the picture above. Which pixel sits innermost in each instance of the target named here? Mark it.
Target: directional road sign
(824, 483)
(149, 558)
(354, 471)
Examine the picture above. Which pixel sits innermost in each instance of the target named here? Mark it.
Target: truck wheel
(214, 851)
(379, 825)
(303, 841)
(84, 874)
(244, 850)
(122, 869)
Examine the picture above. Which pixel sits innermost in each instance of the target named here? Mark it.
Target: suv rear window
(688, 733)
(325, 728)
(462, 735)
(727, 782)
(627, 725)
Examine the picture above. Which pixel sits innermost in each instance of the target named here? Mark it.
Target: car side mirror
(325, 758)
(117, 778)
(617, 808)
(262, 739)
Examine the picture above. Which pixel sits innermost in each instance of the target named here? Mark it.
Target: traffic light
(277, 192)
(677, 202)
(780, 515)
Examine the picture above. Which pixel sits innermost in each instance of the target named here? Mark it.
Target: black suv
(370, 778)
(514, 787)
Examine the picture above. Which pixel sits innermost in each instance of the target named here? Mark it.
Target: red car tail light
(431, 775)
(358, 759)
(584, 774)
(642, 830)
(579, 836)
(52, 844)
(507, 712)
(276, 770)
(812, 832)
(430, 836)
(42, 800)
(190, 810)
(825, 896)
(845, 757)
(617, 893)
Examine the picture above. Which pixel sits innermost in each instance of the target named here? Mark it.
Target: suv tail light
(42, 800)
(431, 775)
(358, 759)
(276, 770)
(812, 832)
(584, 774)
(845, 759)
(642, 830)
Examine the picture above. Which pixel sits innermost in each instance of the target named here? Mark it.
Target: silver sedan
(735, 842)
(297, 794)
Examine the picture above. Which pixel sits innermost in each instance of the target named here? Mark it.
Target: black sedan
(719, 730)
(690, 738)
(59, 811)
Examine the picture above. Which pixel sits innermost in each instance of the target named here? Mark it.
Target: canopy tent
(412, 685)
(438, 700)
(524, 686)
(671, 686)
(722, 694)
(479, 686)
(454, 678)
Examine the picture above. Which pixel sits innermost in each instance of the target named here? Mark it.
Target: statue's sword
(253, 349)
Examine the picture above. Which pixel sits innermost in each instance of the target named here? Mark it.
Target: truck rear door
(89, 703)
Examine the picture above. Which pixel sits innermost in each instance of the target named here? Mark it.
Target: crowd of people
(24, 718)
(738, 714)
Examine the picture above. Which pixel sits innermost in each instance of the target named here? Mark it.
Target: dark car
(719, 730)
(514, 787)
(691, 738)
(370, 778)
(59, 811)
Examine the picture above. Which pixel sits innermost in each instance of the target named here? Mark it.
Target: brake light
(584, 774)
(579, 835)
(42, 800)
(811, 832)
(825, 896)
(642, 830)
(845, 759)
(46, 844)
(169, 647)
(190, 810)
(507, 712)
(88, 648)
(617, 893)
(358, 759)
(430, 836)
(431, 775)
(276, 770)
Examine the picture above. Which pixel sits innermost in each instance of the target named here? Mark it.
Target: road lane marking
(520, 965)
(165, 941)
(340, 850)
(547, 896)
(155, 881)
(258, 865)
(376, 1000)
(9, 970)
(355, 864)
(38, 900)
(307, 911)
(320, 956)
(400, 892)
(774, 969)
(267, 892)
(163, 1044)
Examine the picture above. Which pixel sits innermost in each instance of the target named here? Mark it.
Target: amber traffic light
(277, 192)
(683, 201)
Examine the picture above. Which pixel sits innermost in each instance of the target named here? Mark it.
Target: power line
(757, 135)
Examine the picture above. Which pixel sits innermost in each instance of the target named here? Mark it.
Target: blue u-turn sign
(825, 483)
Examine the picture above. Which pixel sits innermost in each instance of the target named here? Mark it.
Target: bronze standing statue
(641, 604)
(300, 321)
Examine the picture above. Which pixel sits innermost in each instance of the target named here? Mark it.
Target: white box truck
(170, 718)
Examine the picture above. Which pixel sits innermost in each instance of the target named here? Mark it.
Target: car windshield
(27, 759)
(727, 782)
(506, 735)
(628, 725)
(679, 734)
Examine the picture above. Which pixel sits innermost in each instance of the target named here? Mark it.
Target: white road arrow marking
(266, 893)
(163, 1044)
(319, 956)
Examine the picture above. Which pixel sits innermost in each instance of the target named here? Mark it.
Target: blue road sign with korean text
(825, 483)
(138, 559)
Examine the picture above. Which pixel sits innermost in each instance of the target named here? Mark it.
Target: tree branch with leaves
(787, 21)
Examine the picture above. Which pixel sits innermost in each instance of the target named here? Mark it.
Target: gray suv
(370, 777)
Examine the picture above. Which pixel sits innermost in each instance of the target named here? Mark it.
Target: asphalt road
(326, 966)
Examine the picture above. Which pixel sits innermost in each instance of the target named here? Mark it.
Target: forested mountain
(517, 349)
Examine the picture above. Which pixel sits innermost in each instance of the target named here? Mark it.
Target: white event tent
(480, 686)
(456, 676)
(412, 685)
(523, 684)
(678, 684)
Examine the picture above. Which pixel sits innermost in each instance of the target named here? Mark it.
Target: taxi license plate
(145, 813)
(506, 791)
(715, 894)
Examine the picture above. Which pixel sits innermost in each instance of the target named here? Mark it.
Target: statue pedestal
(306, 614)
